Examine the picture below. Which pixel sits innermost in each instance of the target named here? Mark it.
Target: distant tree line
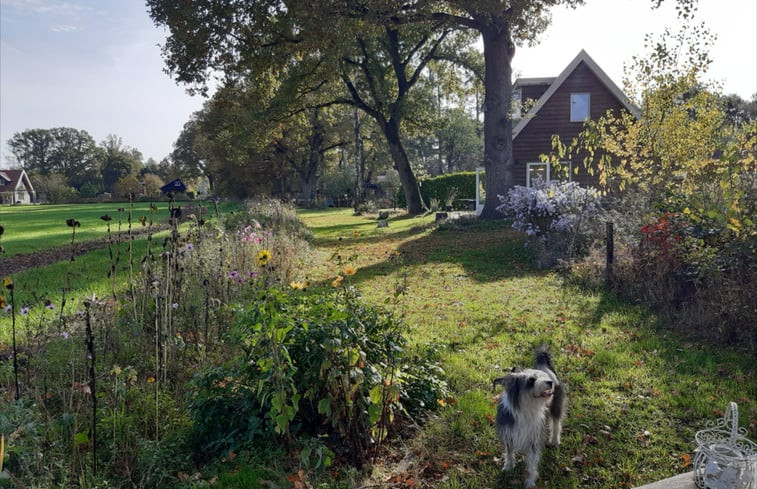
(66, 164)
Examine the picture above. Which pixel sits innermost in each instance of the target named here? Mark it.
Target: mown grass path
(637, 391)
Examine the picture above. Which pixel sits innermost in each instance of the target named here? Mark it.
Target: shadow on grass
(365, 237)
(487, 251)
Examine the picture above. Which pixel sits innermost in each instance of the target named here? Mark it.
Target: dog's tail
(543, 358)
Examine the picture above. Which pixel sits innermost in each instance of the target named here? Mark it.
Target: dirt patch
(18, 263)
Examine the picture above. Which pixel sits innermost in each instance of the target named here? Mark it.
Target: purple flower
(233, 274)
(8, 308)
(175, 305)
(24, 310)
(252, 274)
(49, 304)
(190, 247)
(65, 335)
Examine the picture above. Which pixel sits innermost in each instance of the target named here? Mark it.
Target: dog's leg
(509, 457)
(533, 455)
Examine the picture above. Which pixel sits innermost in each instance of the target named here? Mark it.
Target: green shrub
(224, 410)
(447, 190)
(160, 462)
(311, 364)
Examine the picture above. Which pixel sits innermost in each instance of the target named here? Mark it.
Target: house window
(517, 100)
(580, 106)
(537, 172)
(543, 171)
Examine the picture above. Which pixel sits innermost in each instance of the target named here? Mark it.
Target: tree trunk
(402, 165)
(498, 126)
(211, 181)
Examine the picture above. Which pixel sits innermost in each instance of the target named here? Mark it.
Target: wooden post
(610, 255)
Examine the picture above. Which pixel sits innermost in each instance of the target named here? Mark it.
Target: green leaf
(324, 407)
(376, 394)
(81, 438)
(374, 413)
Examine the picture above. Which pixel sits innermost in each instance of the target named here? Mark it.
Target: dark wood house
(560, 106)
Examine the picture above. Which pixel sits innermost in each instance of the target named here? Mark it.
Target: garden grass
(85, 277)
(33, 229)
(637, 390)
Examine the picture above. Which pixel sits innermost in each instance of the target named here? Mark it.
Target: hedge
(452, 186)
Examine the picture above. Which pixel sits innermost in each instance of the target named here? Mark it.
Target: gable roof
(11, 179)
(583, 57)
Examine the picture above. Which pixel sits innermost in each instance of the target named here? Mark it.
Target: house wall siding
(554, 118)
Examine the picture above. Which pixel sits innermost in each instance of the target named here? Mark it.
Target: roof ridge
(584, 57)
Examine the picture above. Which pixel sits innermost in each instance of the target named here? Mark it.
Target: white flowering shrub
(554, 211)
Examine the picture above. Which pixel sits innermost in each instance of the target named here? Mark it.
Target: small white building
(16, 188)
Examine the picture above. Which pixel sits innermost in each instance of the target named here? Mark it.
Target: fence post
(610, 254)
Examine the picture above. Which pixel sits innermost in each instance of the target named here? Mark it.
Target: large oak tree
(377, 60)
(66, 151)
(233, 37)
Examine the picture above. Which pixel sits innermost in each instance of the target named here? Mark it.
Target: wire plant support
(725, 458)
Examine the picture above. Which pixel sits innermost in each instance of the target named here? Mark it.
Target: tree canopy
(306, 48)
(62, 150)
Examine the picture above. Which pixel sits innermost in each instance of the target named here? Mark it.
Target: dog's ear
(505, 381)
(514, 387)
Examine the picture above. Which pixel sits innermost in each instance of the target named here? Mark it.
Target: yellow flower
(349, 270)
(264, 256)
(2, 302)
(298, 285)
(7, 282)
(116, 370)
(337, 281)
(150, 380)
(356, 234)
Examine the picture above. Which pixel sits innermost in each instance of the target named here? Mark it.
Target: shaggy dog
(530, 397)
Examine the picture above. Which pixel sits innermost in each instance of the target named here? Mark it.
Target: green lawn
(33, 228)
(30, 230)
(637, 391)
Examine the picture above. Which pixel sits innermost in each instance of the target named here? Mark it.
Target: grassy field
(637, 391)
(32, 232)
(29, 229)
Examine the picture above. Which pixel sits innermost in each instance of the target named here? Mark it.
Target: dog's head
(527, 386)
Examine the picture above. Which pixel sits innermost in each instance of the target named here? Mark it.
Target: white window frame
(534, 164)
(549, 170)
(574, 101)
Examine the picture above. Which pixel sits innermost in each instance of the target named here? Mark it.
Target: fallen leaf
(686, 459)
(590, 439)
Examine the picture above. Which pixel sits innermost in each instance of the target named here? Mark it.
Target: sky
(96, 64)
